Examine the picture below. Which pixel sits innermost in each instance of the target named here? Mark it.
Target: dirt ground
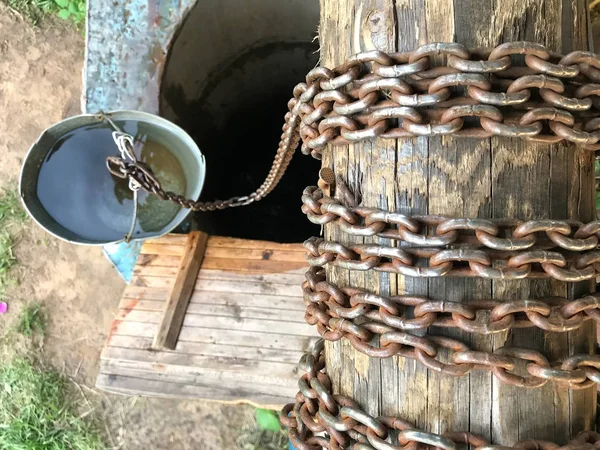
(40, 83)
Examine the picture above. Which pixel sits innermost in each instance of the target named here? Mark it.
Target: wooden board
(242, 335)
(179, 297)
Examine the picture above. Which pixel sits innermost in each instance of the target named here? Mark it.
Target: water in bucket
(74, 173)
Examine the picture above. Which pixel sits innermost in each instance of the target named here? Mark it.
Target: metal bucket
(179, 144)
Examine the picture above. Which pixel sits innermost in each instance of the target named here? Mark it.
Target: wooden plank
(254, 266)
(448, 188)
(332, 54)
(293, 323)
(139, 294)
(265, 326)
(264, 254)
(164, 389)
(283, 388)
(217, 336)
(223, 286)
(179, 297)
(295, 277)
(233, 264)
(173, 245)
(228, 242)
(248, 369)
(176, 239)
(286, 355)
(237, 312)
(161, 250)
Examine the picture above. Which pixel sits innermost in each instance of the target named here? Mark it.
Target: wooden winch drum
(100, 189)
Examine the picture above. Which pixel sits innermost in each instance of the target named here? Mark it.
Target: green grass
(11, 211)
(33, 10)
(12, 215)
(36, 10)
(36, 413)
(7, 261)
(263, 432)
(32, 320)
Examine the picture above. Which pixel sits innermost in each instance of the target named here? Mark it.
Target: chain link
(434, 246)
(334, 309)
(477, 93)
(438, 231)
(374, 326)
(321, 419)
(422, 262)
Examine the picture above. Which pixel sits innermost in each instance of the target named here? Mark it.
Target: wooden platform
(242, 336)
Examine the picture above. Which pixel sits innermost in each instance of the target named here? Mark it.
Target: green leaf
(267, 420)
(62, 3)
(72, 8)
(64, 14)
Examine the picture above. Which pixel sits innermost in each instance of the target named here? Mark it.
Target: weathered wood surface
(489, 178)
(243, 332)
(181, 292)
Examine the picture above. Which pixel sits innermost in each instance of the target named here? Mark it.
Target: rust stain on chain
(493, 249)
(317, 409)
(338, 311)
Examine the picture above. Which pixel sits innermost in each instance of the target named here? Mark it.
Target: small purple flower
(3, 307)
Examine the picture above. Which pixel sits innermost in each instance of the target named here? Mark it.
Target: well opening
(227, 81)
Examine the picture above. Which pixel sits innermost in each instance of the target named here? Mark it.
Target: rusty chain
(142, 174)
(403, 96)
(321, 419)
(433, 246)
(386, 327)
(422, 262)
(476, 93)
(440, 231)
(336, 310)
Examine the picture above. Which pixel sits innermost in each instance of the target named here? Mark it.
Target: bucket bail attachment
(121, 166)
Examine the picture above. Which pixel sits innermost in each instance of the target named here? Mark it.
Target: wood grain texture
(491, 178)
(185, 279)
(241, 336)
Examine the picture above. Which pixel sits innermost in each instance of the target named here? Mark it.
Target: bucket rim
(121, 114)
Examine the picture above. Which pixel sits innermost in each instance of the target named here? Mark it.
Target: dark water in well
(236, 123)
(76, 189)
